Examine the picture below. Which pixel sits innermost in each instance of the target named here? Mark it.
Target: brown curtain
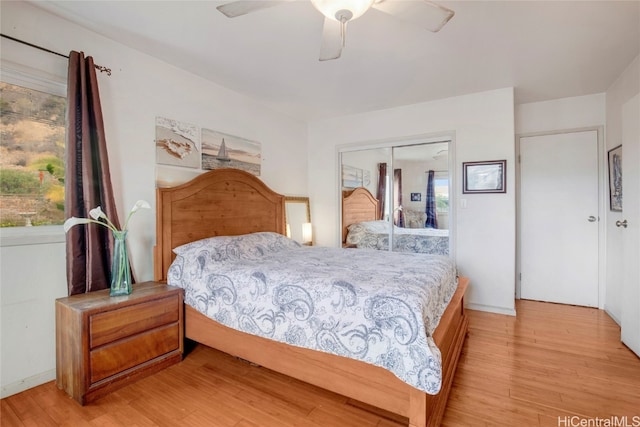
(382, 188)
(430, 205)
(398, 216)
(87, 181)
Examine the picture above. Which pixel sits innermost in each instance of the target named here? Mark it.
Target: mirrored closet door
(397, 197)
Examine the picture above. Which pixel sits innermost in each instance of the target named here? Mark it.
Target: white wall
(140, 89)
(483, 125)
(622, 90)
(31, 278)
(561, 114)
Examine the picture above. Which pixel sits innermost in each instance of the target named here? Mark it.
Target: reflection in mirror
(421, 198)
(361, 185)
(397, 198)
(298, 219)
(421, 173)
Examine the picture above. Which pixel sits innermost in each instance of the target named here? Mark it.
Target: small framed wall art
(615, 179)
(484, 177)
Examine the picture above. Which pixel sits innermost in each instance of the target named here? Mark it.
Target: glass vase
(120, 270)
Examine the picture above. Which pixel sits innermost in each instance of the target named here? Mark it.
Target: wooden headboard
(222, 202)
(357, 205)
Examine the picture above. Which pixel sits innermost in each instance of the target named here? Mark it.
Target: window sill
(23, 236)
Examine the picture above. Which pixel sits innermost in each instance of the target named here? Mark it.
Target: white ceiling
(545, 49)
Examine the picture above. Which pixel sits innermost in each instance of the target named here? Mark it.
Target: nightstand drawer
(113, 325)
(122, 355)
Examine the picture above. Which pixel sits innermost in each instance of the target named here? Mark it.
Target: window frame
(34, 79)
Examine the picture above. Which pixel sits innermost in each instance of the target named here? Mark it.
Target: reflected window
(441, 187)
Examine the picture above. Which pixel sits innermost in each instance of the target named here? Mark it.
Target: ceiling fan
(338, 13)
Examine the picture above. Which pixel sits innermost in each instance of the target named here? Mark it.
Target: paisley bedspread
(378, 307)
(375, 235)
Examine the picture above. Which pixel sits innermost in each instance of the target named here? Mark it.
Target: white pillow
(379, 226)
(232, 248)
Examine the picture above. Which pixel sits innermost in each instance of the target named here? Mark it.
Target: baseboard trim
(491, 309)
(27, 383)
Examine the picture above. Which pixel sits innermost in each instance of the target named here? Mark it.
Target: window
(441, 187)
(32, 145)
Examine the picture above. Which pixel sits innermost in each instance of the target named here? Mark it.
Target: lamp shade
(307, 233)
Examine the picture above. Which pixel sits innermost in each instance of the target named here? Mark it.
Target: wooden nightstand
(104, 342)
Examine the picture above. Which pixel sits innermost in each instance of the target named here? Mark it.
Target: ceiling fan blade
(331, 47)
(242, 7)
(423, 13)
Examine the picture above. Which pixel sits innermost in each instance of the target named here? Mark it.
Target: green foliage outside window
(18, 182)
(442, 203)
(32, 135)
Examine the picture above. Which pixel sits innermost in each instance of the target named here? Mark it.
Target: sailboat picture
(222, 153)
(220, 150)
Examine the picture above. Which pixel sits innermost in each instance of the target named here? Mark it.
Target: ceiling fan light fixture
(339, 10)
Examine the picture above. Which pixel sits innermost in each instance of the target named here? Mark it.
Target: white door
(630, 327)
(559, 218)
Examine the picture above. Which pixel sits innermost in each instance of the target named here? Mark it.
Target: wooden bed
(232, 202)
(358, 205)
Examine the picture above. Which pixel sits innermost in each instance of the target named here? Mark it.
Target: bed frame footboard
(357, 380)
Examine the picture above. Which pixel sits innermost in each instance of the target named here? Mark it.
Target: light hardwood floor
(549, 364)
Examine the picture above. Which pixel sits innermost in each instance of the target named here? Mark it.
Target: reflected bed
(362, 228)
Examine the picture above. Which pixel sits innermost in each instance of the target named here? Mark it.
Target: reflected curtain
(87, 180)
(382, 188)
(430, 208)
(398, 216)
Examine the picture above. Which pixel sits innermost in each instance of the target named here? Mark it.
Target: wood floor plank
(562, 361)
(9, 417)
(549, 361)
(28, 410)
(276, 407)
(385, 422)
(343, 416)
(210, 414)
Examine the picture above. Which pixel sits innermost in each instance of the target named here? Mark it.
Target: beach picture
(220, 150)
(177, 143)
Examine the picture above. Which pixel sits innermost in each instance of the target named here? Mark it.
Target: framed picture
(221, 150)
(416, 197)
(351, 177)
(366, 177)
(615, 179)
(484, 177)
(177, 143)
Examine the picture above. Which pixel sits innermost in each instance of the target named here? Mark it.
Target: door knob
(621, 223)
(592, 218)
